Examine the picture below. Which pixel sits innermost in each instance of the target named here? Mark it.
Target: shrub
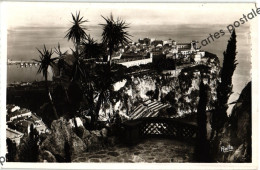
(11, 148)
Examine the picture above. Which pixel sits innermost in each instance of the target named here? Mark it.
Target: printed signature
(228, 148)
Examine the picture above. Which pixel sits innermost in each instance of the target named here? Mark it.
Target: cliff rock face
(53, 147)
(241, 126)
(237, 133)
(46, 156)
(62, 132)
(185, 88)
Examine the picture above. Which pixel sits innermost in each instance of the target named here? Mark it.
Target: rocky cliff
(181, 92)
(236, 136)
(54, 149)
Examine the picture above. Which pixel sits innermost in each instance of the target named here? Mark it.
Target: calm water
(23, 41)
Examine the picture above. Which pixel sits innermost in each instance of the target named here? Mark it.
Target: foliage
(172, 111)
(170, 98)
(224, 88)
(150, 93)
(29, 149)
(202, 145)
(185, 80)
(164, 64)
(78, 67)
(61, 60)
(75, 95)
(241, 124)
(114, 33)
(45, 62)
(11, 149)
(91, 49)
(77, 32)
(60, 100)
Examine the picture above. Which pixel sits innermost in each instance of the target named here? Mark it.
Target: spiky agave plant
(61, 57)
(77, 33)
(114, 34)
(46, 61)
(92, 49)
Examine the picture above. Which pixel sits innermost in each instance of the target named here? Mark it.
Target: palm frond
(114, 32)
(77, 32)
(45, 60)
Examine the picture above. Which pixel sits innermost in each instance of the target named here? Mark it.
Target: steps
(148, 109)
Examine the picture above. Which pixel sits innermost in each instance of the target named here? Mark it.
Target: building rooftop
(10, 132)
(183, 44)
(183, 49)
(18, 112)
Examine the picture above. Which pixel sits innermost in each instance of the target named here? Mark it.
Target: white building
(14, 135)
(198, 56)
(137, 62)
(25, 115)
(15, 108)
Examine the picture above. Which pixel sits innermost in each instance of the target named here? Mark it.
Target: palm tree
(78, 68)
(77, 32)
(91, 49)
(114, 34)
(62, 65)
(61, 60)
(45, 62)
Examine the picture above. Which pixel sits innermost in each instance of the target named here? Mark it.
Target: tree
(11, 148)
(61, 58)
(150, 94)
(81, 82)
(202, 145)
(45, 62)
(170, 98)
(224, 88)
(91, 49)
(77, 32)
(103, 83)
(114, 34)
(29, 149)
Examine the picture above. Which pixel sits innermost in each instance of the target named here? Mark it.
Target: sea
(22, 44)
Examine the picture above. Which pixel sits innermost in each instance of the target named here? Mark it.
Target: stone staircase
(148, 109)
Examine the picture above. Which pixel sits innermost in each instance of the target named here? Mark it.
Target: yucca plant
(77, 32)
(91, 49)
(61, 58)
(47, 61)
(114, 34)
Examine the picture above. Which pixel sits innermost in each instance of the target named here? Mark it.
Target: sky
(57, 14)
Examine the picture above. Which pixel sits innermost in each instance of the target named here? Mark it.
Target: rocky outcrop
(53, 147)
(62, 132)
(241, 127)
(236, 136)
(185, 88)
(46, 156)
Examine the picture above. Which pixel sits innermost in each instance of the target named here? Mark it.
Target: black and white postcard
(129, 85)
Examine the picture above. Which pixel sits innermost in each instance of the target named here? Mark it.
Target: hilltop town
(151, 50)
(146, 50)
